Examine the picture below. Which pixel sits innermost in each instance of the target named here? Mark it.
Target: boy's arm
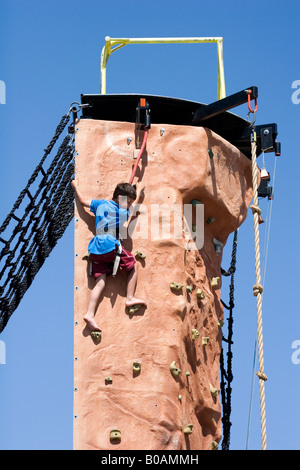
(140, 195)
(83, 200)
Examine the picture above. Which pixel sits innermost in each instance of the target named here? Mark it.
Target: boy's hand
(82, 199)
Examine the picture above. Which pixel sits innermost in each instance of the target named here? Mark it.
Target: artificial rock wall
(115, 407)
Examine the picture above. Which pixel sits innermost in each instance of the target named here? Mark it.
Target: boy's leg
(97, 290)
(131, 284)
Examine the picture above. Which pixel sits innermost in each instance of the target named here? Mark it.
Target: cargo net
(226, 352)
(36, 222)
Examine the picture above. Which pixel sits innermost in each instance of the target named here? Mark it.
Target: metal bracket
(223, 105)
(142, 120)
(266, 135)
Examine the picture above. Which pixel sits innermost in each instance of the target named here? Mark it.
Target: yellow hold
(136, 366)
(188, 429)
(134, 309)
(96, 335)
(215, 281)
(175, 371)
(213, 390)
(214, 445)
(176, 286)
(195, 334)
(200, 294)
(115, 435)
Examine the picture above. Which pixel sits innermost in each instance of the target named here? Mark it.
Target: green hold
(210, 153)
(189, 289)
(194, 202)
(210, 220)
(108, 380)
(134, 308)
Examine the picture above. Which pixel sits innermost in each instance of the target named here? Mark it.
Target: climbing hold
(214, 391)
(220, 323)
(187, 373)
(96, 335)
(195, 334)
(200, 294)
(136, 367)
(108, 380)
(176, 286)
(218, 246)
(189, 289)
(214, 445)
(188, 429)
(205, 340)
(134, 308)
(140, 254)
(180, 398)
(86, 256)
(210, 153)
(115, 435)
(194, 202)
(214, 281)
(174, 370)
(210, 220)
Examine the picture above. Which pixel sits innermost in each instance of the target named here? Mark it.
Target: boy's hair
(124, 189)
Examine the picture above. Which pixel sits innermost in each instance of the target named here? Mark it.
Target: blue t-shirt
(109, 217)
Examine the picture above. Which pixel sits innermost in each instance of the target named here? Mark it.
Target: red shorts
(103, 264)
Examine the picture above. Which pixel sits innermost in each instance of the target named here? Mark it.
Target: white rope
(265, 256)
(257, 292)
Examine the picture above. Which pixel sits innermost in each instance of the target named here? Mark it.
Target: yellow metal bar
(120, 42)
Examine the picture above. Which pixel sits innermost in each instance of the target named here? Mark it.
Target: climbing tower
(151, 379)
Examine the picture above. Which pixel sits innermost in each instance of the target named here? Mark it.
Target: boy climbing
(105, 245)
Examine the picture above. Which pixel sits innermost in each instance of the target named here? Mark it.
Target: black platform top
(166, 110)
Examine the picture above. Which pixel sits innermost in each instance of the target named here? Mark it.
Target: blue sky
(50, 54)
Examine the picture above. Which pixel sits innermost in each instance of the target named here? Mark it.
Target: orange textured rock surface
(152, 407)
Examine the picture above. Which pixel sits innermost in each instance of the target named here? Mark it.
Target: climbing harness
(29, 239)
(117, 260)
(226, 374)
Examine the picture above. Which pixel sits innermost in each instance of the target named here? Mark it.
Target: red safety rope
(140, 154)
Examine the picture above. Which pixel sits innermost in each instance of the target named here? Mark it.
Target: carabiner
(255, 101)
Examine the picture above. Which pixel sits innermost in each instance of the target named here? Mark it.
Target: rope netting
(46, 207)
